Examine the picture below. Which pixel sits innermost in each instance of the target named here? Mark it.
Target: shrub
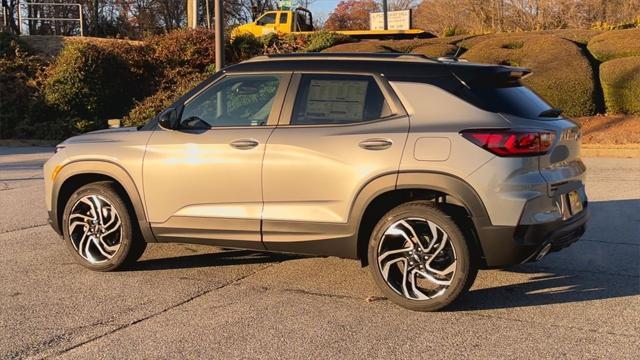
(561, 74)
(90, 82)
(362, 46)
(282, 44)
(11, 45)
(615, 44)
(620, 80)
(20, 102)
(244, 47)
(321, 40)
(436, 50)
(580, 36)
(177, 82)
(188, 48)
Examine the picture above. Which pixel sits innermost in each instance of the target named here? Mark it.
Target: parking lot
(195, 301)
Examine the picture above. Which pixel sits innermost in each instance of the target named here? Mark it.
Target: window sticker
(336, 100)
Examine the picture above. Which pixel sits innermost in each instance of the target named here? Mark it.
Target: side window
(268, 18)
(234, 101)
(338, 99)
(284, 17)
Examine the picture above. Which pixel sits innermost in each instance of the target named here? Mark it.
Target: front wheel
(419, 257)
(98, 228)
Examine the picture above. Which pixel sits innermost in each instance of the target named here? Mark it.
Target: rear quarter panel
(436, 119)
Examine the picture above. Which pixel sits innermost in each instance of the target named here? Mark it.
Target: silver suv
(424, 169)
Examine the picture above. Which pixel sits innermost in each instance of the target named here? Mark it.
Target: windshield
(515, 100)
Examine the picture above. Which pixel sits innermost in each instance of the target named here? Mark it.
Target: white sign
(396, 20)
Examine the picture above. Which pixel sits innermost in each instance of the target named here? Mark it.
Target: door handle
(376, 144)
(244, 144)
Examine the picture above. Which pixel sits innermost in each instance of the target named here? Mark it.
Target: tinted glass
(234, 101)
(269, 18)
(338, 99)
(515, 100)
(283, 18)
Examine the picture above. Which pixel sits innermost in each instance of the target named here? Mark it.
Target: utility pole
(219, 33)
(192, 14)
(218, 26)
(384, 14)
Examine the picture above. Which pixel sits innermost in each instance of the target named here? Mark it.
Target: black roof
(391, 65)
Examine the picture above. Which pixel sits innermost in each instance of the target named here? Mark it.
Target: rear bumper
(505, 245)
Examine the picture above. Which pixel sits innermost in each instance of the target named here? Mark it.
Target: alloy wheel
(417, 258)
(95, 229)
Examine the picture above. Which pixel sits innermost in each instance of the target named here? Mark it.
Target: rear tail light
(512, 142)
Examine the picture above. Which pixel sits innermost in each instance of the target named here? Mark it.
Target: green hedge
(620, 80)
(23, 112)
(436, 50)
(561, 73)
(91, 83)
(580, 36)
(615, 44)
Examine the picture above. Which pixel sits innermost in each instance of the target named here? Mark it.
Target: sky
(322, 8)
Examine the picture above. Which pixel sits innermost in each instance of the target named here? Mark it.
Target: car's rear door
(204, 184)
(336, 133)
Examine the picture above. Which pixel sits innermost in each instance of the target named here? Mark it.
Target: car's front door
(202, 181)
(336, 133)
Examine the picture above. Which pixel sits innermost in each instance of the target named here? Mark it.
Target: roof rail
(358, 56)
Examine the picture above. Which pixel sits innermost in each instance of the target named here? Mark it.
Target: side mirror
(168, 119)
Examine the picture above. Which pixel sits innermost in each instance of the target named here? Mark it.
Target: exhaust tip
(543, 252)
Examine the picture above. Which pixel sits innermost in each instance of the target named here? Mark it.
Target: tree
(447, 17)
(351, 15)
(395, 5)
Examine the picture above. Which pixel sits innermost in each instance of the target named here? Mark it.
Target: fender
(444, 183)
(106, 168)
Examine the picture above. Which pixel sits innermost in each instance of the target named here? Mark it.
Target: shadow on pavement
(549, 287)
(613, 223)
(230, 257)
(541, 284)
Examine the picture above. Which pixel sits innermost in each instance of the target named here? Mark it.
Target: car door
(203, 181)
(284, 25)
(267, 22)
(336, 133)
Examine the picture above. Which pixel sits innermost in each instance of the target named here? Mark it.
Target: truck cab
(278, 21)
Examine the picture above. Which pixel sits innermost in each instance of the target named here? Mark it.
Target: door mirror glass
(168, 119)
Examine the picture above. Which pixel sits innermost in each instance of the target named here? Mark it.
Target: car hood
(105, 135)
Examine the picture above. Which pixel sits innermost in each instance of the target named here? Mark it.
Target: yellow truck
(300, 21)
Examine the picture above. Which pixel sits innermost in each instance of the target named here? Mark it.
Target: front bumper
(504, 245)
(53, 222)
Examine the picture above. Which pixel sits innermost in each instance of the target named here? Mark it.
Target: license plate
(575, 203)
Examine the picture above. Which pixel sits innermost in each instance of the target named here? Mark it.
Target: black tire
(460, 257)
(131, 244)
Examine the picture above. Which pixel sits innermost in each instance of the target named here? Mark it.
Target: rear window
(516, 100)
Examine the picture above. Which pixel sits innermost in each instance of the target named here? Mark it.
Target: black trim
(506, 245)
(53, 222)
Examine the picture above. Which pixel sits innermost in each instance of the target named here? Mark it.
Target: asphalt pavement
(192, 301)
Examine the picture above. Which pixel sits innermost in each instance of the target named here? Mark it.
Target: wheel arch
(76, 174)
(463, 205)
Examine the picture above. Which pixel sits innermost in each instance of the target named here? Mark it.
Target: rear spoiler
(491, 75)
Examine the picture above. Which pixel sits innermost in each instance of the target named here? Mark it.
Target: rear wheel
(419, 257)
(99, 230)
